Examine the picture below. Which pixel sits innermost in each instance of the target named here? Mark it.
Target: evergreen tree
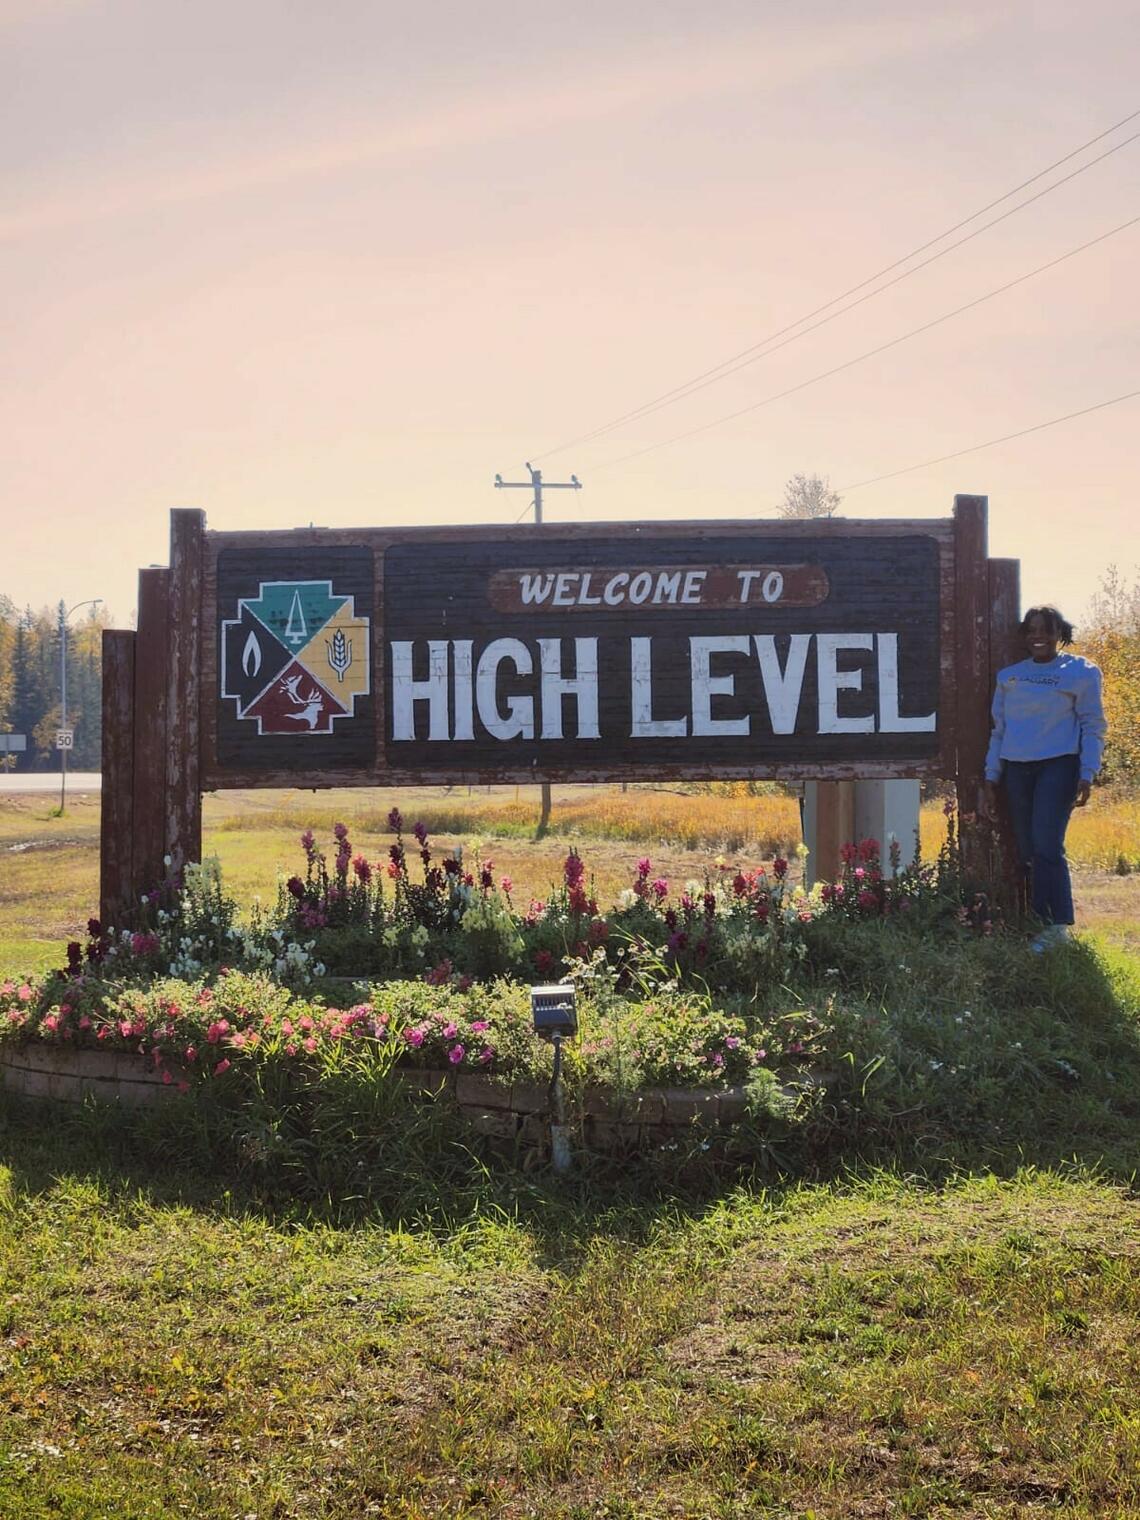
(23, 709)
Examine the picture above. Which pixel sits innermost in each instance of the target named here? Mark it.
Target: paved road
(40, 781)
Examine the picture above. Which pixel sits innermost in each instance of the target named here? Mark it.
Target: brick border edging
(503, 1109)
(68, 1075)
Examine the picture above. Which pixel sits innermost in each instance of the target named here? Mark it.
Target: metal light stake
(554, 1012)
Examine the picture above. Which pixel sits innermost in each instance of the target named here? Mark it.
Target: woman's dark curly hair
(1055, 623)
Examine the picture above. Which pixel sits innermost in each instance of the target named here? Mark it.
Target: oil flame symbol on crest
(251, 656)
(340, 653)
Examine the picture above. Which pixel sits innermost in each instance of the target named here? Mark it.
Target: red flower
(780, 868)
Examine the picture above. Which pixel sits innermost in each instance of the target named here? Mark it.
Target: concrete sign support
(840, 651)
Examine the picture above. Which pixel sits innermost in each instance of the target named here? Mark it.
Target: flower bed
(712, 1002)
(737, 930)
(192, 1033)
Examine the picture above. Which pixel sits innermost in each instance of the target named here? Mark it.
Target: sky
(342, 263)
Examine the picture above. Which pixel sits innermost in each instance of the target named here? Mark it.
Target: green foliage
(30, 685)
(1112, 640)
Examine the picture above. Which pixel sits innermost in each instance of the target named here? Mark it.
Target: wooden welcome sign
(320, 658)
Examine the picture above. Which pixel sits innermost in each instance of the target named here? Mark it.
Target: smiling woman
(1048, 740)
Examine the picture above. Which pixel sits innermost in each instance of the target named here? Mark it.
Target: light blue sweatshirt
(1049, 708)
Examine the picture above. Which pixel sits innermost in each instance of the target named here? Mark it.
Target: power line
(751, 354)
(870, 353)
(976, 448)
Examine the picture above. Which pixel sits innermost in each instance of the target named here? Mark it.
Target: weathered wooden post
(116, 826)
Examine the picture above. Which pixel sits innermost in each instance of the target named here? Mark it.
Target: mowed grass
(874, 1349)
(49, 868)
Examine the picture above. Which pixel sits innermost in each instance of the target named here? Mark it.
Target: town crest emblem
(295, 658)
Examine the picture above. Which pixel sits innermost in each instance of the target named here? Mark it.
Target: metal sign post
(65, 737)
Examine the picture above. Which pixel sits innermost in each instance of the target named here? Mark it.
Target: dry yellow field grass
(49, 866)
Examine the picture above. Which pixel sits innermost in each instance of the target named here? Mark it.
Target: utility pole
(537, 485)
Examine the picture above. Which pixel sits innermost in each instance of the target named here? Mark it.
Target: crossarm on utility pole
(538, 485)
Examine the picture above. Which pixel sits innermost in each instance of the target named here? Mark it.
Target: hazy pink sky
(292, 262)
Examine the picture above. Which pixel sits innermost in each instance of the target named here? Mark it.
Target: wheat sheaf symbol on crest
(340, 653)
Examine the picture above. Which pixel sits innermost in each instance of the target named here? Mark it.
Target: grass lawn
(868, 1349)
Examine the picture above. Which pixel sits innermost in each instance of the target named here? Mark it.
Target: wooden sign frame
(168, 737)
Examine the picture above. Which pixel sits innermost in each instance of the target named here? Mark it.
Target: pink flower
(479, 1025)
(85, 1022)
(24, 992)
(340, 832)
(52, 1022)
(505, 885)
(190, 1053)
(414, 1037)
(486, 1055)
(167, 1079)
(456, 1054)
(660, 888)
(450, 1032)
(363, 870)
(779, 868)
(310, 1045)
(223, 1065)
(395, 820)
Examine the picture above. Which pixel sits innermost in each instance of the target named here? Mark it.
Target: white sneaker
(1048, 939)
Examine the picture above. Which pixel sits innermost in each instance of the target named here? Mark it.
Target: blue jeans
(1041, 794)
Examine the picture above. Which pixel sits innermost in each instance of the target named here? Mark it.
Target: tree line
(31, 659)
